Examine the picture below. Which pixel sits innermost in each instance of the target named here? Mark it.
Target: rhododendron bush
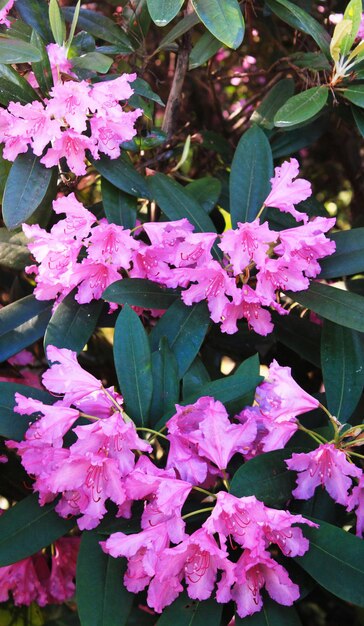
(181, 313)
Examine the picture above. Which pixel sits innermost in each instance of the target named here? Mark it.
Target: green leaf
(122, 174)
(57, 23)
(188, 22)
(300, 335)
(185, 328)
(206, 47)
(133, 363)
(251, 170)
(272, 614)
(353, 12)
(17, 51)
(293, 15)
(94, 61)
(163, 11)
(35, 13)
(342, 357)
(287, 143)
(354, 94)
(142, 88)
(358, 115)
(72, 324)
(5, 167)
(224, 20)
(42, 69)
(272, 102)
(13, 425)
(22, 323)
(342, 307)
(187, 612)
(334, 550)
(301, 107)
(27, 527)
(14, 253)
(100, 27)
(140, 292)
(267, 478)
(14, 87)
(348, 257)
(206, 191)
(27, 186)
(195, 377)
(102, 599)
(119, 207)
(73, 26)
(165, 381)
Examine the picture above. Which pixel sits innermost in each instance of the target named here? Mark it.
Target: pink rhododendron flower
(54, 423)
(326, 466)
(356, 502)
(248, 242)
(59, 62)
(286, 192)
(4, 11)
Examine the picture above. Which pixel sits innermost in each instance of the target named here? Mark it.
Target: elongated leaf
(354, 94)
(102, 599)
(17, 51)
(188, 22)
(72, 324)
(42, 68)
(100, 27)
(13, 250)
(163, 11)
(27, 186)
(206, 47)
(267, 478)
(133, 364)
(27, 528)
(195, 377)
(165, 381)
(120, 208)
(142, 88)
(293, 15)
(300, 335)
(358, 115)
(206, 191)
(342, 307)
(187, 612)
(185, 328)
(342, 357)
(140, 292)
(122, 174)
(13, 425)
(35, 13)
(223, 19)
(57, 23)
(22, 323)
(251, 170)
(273, 101)
(334, 550)
(353, 12)
(14, 87)
(301, 107)
(272, 614)
(348, 257)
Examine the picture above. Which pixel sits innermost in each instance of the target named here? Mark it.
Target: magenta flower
(71, 145)
(356, 502)
(326, 466)
(55, 422)
(286, 192)
(246, 305)
(4, 11)
(66, 376)
(248, 243)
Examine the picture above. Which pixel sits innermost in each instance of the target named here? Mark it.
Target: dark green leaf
(146, 141)
(35, 13)
(13, 425)
(301, 107)
(57, 23)
(140, 292)
(102, 599)
(300, 335)
(100, 27)
(5, 167)
(293, 15)
(287, 143)
(123, 175)
(223, 19)
(17, 51)
(14, 87)
(272, 102)
(27, 528)
(185, 328)
(272, 614)
(358, 115)
(163, 11)
(311, 60)
(133, 363)
(142, 88)
(267, 478)
(336, 305)
(206, 47)
(165, 381)
(187, 612)
(42, 69)
(342, 357)
(72, 324)
(22, 323)
(348, 257)
(188, 22)
(27, 186)
(119, 207)
(251, 170)
(354, 94)
(334, 550)
(195, 377)
(94, 61)
(14, 253)
(206, 191)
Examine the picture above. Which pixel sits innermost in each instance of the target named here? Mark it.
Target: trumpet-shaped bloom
(66, 376)
(286, 192)
(356, 502)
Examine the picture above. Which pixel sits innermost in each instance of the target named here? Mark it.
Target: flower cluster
(106, 459)
(75, 118)
(257, 262)
(41, 579)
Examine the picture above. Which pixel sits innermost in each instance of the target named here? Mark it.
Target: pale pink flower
(66, 376)
(92, 278)
(356, 502)
(286, 192)
(78, 221)
(71, 101)
(110, 133)
(59, 62)
(4, 11)
(112, 244)
(71, 145)
(36, 124)
(249, 242)
(107, 94)
(326, 466)
(277, 274)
